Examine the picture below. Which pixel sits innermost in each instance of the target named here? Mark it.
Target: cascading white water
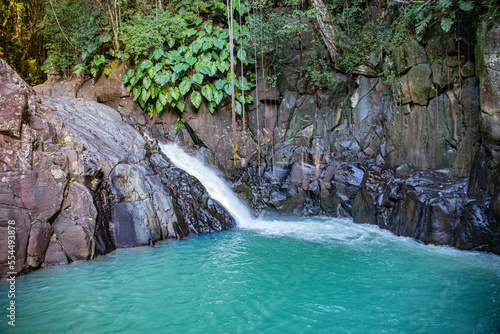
(216, 187)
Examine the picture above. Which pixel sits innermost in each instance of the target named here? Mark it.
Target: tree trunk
(323, 23)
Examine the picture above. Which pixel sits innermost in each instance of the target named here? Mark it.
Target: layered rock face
(79, 181)
(307, 151)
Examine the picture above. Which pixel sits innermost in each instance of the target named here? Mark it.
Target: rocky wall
(308, 151)
(79, 181)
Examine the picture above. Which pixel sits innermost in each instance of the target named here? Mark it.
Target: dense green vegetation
(78, 36)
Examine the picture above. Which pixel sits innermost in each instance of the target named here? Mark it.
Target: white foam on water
(310, 229)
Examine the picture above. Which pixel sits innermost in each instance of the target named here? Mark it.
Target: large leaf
(190, 60)
(159, 106)
(162, 97)
(154, 90)
(445, 3)
(466, 5)
(162, 78)
(218, 43)
(80, 67)
(190, 32)
(206, 57)
(158, 53)
(136, 92)
(242, 55)
(219, 84)
(213, 69)
(196, 46)
(446, 24)
(207, 44)
(181, 68)
(185, 86)
(197, 78)
(218, 95)
(208, 28)
(180, 104)
(144, 64)
(207, 92)
(205, 70)
(175, 93)
(152, 72)
(196, 99)
(145, 94)
(227, 89)
(146, 82)
(237, 108)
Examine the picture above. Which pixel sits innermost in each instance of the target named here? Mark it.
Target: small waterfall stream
(216, 187)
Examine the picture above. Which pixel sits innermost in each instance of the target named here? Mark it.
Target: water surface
(317, 275)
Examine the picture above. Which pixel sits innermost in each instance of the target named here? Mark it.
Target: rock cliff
(417, 155)
(78, 181)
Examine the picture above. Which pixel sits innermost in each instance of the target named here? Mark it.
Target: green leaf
(106, 72)
(466, 5)
(190, 60)
(218, 95)
(144, 64)
(180, 68)
(185, 86)
(446, 24)
(146, 82)
(219, 84)
(205, 70)
(158, 67)
(136, 92)
(162, 98)
(159, 106)
(227, 89)
(158, 53)
(213, 69)
(223, 66)
(145, 94)
(206, 57)
(196, 46)
(99, 60)
(162, 78)
(175, 93)
(208, 28)
(198, 21)
(180, 105)
(197, 78)
(207, 92)
(207, 44)
(190, 32)
(170, 42)
(218, 43)
(241, 54)
(80, 67)
(154, 90)
(445, 3)
(84, 55)
(128, 75)
(196, 99)
(237, 108)
(152, 72)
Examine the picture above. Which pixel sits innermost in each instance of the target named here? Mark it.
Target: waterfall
(216, 187)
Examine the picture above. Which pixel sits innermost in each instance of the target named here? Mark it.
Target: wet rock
(430, 206)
